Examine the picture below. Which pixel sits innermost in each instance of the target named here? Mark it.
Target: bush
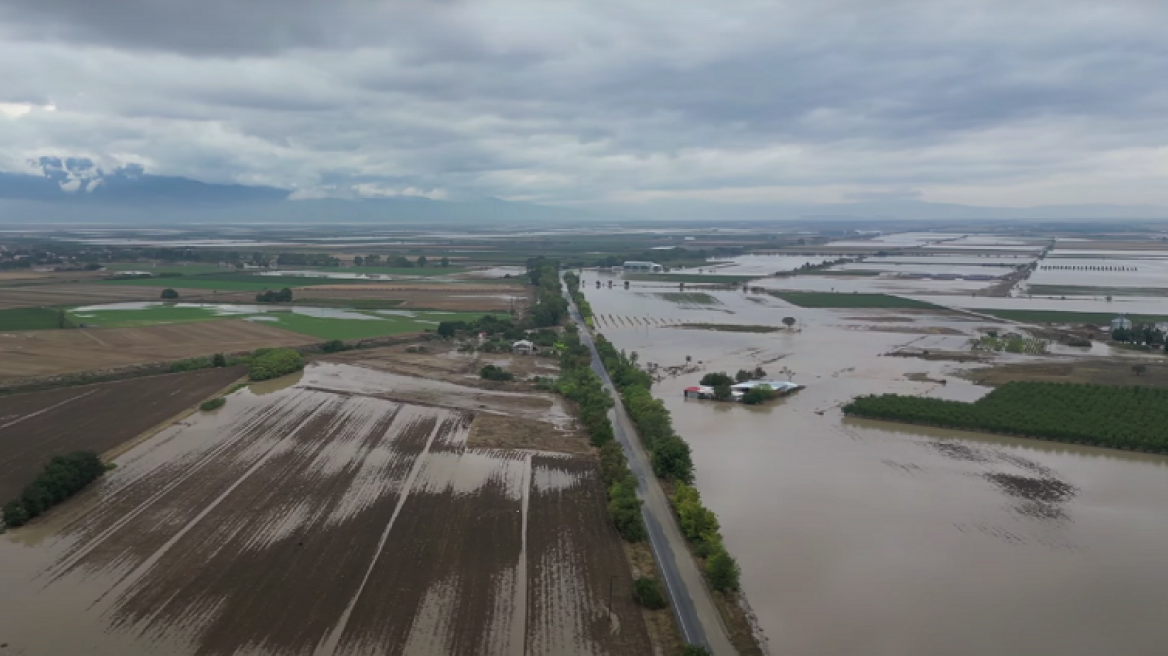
(759, 394)
(715, 379)
(723, 570)
(273, 363)
(491, 372)
(695, 650)
(169, 294)
(213, 404)
(334, 346)
(218, 360)
(190, 364)
(742, 376)
(648, 593)
(63, 477)
(282, 296)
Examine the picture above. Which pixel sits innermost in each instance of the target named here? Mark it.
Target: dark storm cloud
(831, 99)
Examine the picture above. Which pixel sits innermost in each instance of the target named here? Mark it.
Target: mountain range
(74, 190)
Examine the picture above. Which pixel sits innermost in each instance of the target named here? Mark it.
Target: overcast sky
(987, 102)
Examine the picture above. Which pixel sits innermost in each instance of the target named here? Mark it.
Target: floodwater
(864, 537)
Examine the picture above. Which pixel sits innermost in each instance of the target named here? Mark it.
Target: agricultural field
(165, 269)
(1121, 417)
(32, 319)
(1010, 343)
(302, 521)
(1056, 316)
(38, 425)
(494, 297)
(840, 300)
(705, 278)
(59, 295)
(688, 299)
(229, 282)
(324, 323)
(47, 353)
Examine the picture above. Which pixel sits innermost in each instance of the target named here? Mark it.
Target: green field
(306, 321)
(689, 298)
(1122, 417)
(31, 319)
(731, 327)
(1074, 290)
(710, 278)
(237, 282)
(184, 269)
(1057, 316)
(429, 270)
(853, 301)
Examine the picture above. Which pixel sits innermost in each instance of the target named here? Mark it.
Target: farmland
(228, 282)
(303, 521)
(31, 319)
(1127, 417)
(323, 323)
(707, 278)
(39, 425)
(840, 300)
(1056, 316)
(46, 353)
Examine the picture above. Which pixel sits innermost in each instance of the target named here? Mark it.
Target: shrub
(648, 593)
(61, 478)
(695, 650)
(714, 379)
(273, 363)
(723, 570)
(218, 360)
(334, 346)
(491, 372)
(169, 294)
(213, 404)
(759, 394)
(742, 376)
(190, 364)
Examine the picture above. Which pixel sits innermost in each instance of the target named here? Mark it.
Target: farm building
(1120, 323)
(781, 386)
(699, 392)
(651, 267)
(523, 347)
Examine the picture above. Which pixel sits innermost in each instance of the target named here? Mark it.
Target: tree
(492, 372)
(723, 570)
(672, 459)
(788, 373)
(444, 262)
(742, 376)
(722, 392)
(372, 260)
(648, 593)
(169, 294)
(358, 261)
(695, 650)
(759, 373)
(788, 322)
(688, 359)
(759, 394)
(1140, 369)
(422, 261)
(218, 360)
(713, 379)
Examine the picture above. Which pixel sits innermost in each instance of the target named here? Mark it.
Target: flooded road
(863, 537)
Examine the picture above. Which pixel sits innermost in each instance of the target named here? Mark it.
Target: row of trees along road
(672, 461)
(399, 261)
(1122, 417)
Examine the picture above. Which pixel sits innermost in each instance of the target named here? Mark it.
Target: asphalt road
(697, 616)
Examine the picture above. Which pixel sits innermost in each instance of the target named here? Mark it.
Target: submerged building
(650, 267)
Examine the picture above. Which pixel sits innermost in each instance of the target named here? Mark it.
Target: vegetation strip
(1120, 417)
(730, 327)
(63, 477)
(1058, 316)
(842, 300)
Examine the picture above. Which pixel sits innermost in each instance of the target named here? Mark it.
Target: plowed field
(325, 521)
(49, 352)
(34, 427)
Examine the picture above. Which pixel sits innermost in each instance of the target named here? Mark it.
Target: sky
(603, 103)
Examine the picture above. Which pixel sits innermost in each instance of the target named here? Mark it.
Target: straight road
(697, 616)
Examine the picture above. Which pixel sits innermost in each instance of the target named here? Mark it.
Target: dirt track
(36, 426)
(305, 522)
(49, 352)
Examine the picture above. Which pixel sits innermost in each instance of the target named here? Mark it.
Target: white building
(651, 267)
(523, 347)
(1120, 323)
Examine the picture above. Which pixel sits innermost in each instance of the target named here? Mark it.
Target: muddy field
(1099, 371)
(49, 352)
(45, 295)
(34, 427)
(321, 519)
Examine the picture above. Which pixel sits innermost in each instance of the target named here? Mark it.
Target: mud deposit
(307, 521)
(36, 426)
(864, 537)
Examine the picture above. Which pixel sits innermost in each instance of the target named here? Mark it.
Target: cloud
(577, 102)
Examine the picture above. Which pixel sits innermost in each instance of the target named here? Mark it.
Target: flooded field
(318, 518)
(861, 537)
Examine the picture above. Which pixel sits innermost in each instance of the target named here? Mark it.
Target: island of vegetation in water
(850, 300)
(1120, 417)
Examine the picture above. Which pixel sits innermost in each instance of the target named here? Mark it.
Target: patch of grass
(327, 328)
(731, 327)
(843, 300)
(429, 270)
(689, 298)
(709, 278)
(151, 316)
(1076, 290)
(1058, 316)
(33, 319)
(233, 282)
(213, 404)
(844, 272)
(355, 303)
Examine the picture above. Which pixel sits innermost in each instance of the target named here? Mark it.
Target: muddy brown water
(866, 537)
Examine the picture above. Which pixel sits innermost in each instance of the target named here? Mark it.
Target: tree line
(1121, 417)
(672, 461)
(580, 384)
(61, 478)
(550, 307)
